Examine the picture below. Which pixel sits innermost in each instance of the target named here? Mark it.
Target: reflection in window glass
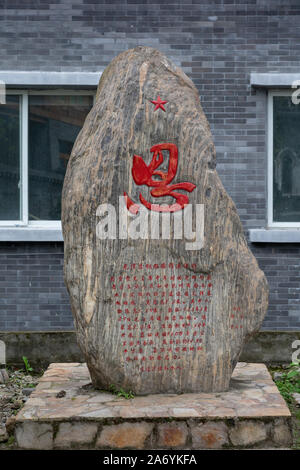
(10, 159)
(286, 155)
(54, 123)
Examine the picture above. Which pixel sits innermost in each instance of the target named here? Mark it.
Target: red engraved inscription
(166, 328)
(142, 175)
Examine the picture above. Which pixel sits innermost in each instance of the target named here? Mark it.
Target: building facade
(243, 56)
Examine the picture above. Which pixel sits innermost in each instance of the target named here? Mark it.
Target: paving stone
(247, 433)
(247, 378)
(31, 435)
(172, 434)
(209, 435)
(75, 433)
(83, 405)
(125, 435)
(282, 434)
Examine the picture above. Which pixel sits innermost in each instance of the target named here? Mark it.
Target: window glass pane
(286, 155)
(10, 159)
(54, 123)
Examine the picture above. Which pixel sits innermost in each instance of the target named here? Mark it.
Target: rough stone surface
(75, 433)
(124, 435)
(36, 436)
(282, 434)
(3, 376)
(247, 433)
(151, 421)
(209, 435)
(222, 295)
(296, 397)
(12, 397)
(278, 375)
(10, 425)
(172, 435)
(27, 391)
(3, 434)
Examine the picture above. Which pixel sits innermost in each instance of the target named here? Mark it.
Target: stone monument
(158, 308)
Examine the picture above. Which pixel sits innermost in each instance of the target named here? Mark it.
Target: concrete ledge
(30, 234)
(251, 414)
(274, 235)
(42, 348)
(49, 78)
(34, 234)
(273, 80)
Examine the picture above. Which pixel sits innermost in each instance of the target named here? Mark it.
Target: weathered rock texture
(151, 316)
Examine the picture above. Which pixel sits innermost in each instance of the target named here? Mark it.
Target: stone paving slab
(70, 413)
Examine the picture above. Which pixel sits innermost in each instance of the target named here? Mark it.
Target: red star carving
(159, 103)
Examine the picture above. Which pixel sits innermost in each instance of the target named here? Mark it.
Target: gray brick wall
(32, 292)
(217, 43)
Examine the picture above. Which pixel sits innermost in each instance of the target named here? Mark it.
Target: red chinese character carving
(142, 175)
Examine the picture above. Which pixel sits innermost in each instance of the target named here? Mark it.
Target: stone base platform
(66, 412)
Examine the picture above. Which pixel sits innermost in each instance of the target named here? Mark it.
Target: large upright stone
(154, 315)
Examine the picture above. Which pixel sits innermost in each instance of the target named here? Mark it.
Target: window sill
(30, 234)
(49, 78)
(272, 235)
(273, 79)
(48, 234)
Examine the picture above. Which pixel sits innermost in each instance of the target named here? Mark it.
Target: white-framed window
(283, 160)
(37, 131)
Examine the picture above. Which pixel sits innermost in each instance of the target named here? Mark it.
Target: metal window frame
(270, 202)
(23, 159)
(25, 229)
